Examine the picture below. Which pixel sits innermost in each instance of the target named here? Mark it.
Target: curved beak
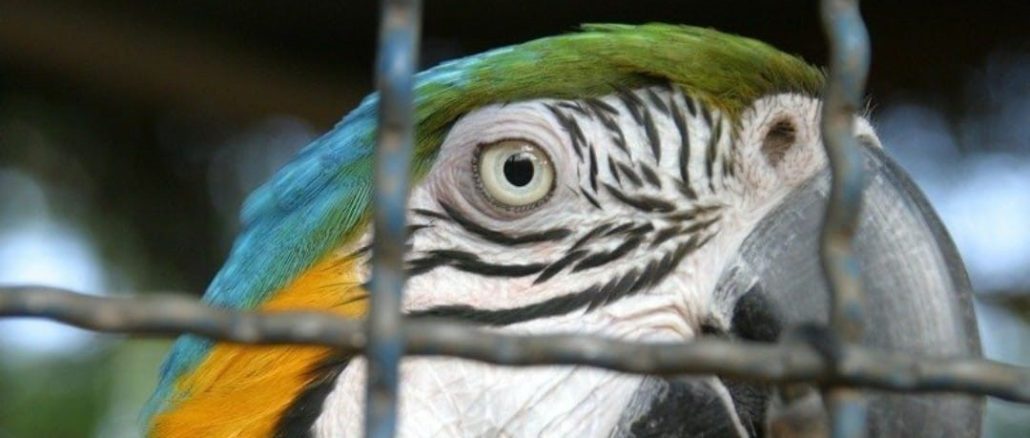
(917, 294)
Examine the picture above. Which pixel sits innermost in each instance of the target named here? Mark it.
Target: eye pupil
(518, 169)
(514, 175)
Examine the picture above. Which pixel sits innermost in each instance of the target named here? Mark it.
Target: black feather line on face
(693, 213)
(727, 167)
(688, 192)
(303, 411)
(650, 176)
(681, 127)
(634, 281)
(553, 234)
(641, 229)
(589, 236)
(706, 114)
(600, 107)
(641, 113)
(471, 263)
(593, 169)
(633, 104)
(362, 251)
(575, 107)
(711, 153)
(611, 291)
(619, 229)
(556, 267)
(665, 234)
(413, 228)
(604, 257)
(620, 141)
(430, 214)
(651, 130)
(694, 228)
(643, 203)
(605, 113)
(571, 126)
(614, 171)
(590, 199)
(691, 106)
(630, 174)
(657, 102)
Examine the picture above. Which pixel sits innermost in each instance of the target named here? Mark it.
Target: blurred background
(130, 132)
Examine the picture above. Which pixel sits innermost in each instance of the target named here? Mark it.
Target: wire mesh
(385, 337)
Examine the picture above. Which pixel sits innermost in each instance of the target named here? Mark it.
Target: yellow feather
(243, 391)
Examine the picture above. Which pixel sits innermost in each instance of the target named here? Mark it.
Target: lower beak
(917, 294)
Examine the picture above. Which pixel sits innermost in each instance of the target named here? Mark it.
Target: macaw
(643, 182)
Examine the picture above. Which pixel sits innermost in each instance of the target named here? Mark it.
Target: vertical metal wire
(395, 66)
(849, 65)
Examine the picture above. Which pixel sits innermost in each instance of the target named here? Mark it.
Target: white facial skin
(669, 260)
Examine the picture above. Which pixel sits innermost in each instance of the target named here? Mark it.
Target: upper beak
(917, 294)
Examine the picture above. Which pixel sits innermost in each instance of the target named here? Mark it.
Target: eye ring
(514, 174)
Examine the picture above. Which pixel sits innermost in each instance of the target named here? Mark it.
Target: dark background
(140, 126)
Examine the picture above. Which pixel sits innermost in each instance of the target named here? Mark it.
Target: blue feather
(290, 222)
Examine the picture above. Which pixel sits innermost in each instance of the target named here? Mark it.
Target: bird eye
(514, 174)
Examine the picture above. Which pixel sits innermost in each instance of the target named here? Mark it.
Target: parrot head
(647, 183)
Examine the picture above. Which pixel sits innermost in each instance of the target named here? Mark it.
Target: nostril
(756, 317)
(778, 141)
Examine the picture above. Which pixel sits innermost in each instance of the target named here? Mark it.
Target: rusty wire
(385, 336)
(395, 69)
(171, 315)
(849, 66)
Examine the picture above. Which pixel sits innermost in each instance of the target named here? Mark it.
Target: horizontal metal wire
(169, 315)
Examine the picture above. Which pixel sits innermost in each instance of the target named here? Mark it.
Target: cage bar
(849, 66)
(395, 68)
(385, 337)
